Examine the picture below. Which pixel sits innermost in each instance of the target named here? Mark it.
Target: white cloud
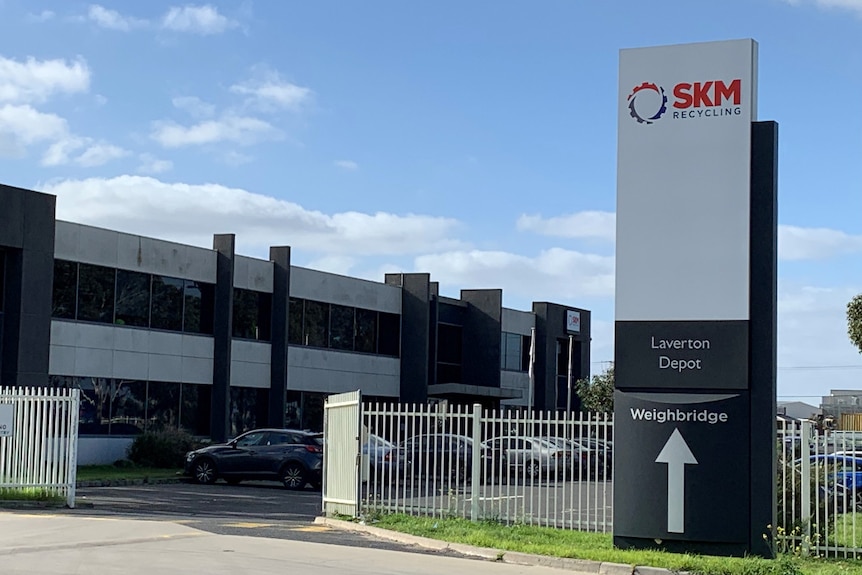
(147, 206)
(193, 105)
(32, 80)
(812, 335)
(113, 20)
(22, 126)
(234, 158)
(94, 153)
(555, 273)
(203, 20)
(796, 243)
(852, 5)
(268, 90)
(42, 16)
(348, 165)
(587, 224)
(152, 165)
(243, 130)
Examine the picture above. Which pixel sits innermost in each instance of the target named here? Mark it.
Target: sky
(475, 140)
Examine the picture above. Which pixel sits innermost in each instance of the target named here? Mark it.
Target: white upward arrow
(676, 454)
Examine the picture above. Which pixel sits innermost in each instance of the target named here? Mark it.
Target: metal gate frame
(342, 434)
(41, 450)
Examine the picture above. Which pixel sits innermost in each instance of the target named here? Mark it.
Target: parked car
(531, 457)
(293, 457)
(845, 470)
(590, 458)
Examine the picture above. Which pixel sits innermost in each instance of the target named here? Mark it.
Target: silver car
(530, 457)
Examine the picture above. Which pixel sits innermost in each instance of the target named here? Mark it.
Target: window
(252, 314)
(2, 278)
(96, 293)
(198, 307)
(167, 308)
(248, 408)
(128, 407)
(294, 328)
(163, 405)
(133, 299)
(65, 289)
(341, 327)
(514, 352)
(366, 331)
(252, 439)
(316, 326)
(389, 334)
(195, 408)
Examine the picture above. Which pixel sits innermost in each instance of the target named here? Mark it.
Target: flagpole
(569, 381)
(531, 370)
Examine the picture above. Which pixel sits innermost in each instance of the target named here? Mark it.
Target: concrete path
(39, 544)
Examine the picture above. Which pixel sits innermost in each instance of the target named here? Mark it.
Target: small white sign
(573, 321)
(6, 419)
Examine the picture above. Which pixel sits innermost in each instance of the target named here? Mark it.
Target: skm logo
(711, 99)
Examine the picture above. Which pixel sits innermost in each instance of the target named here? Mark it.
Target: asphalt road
(256, 509)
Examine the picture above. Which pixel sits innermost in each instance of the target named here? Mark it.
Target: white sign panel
(6, 419)
(573, 321)
(684, 144)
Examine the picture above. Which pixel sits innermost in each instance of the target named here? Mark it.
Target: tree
(597, 395)
(854, 321)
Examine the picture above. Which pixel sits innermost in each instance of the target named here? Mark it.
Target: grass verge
(28, 494)
(130, 472)
(599, 547)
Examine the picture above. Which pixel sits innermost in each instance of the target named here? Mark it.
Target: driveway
(255, 509)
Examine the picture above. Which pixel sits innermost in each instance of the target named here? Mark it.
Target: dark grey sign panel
(681, 354)
(685, 458)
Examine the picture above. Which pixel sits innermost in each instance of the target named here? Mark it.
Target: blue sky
(472, 140)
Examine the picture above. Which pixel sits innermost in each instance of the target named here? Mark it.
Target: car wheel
(293, 476)
(204, 471)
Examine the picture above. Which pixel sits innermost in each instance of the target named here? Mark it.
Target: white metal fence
(38, 440)
(820, 490)
(479, 464)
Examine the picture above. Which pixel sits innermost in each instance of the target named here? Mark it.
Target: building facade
(158, 334)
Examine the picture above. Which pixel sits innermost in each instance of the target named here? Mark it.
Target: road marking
(499, 498)
(246, 525)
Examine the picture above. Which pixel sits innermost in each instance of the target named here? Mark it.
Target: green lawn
(28, 494)
(599, 547)
(109, 472)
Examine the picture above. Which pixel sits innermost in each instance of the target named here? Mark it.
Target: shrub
(162, 449)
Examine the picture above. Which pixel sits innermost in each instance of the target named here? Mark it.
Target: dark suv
(293, 457)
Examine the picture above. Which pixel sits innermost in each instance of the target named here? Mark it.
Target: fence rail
(38, 447)
(467, 462)
(820, 490)
(478, 464)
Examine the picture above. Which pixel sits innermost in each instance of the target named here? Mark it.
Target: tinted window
(294, 328)
(163, 405)
(167, 303)
(128, 407)
(195, 408)
(133, 298)
(341, 327)
(96, 293)
(389, 334)
(250, 439)
(366, 331)
(2, 278)
(198, 304)
(251, 314)
(65, 289)
(316, 325)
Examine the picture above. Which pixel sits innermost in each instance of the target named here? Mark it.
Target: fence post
(805, 449)
(476, 463)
